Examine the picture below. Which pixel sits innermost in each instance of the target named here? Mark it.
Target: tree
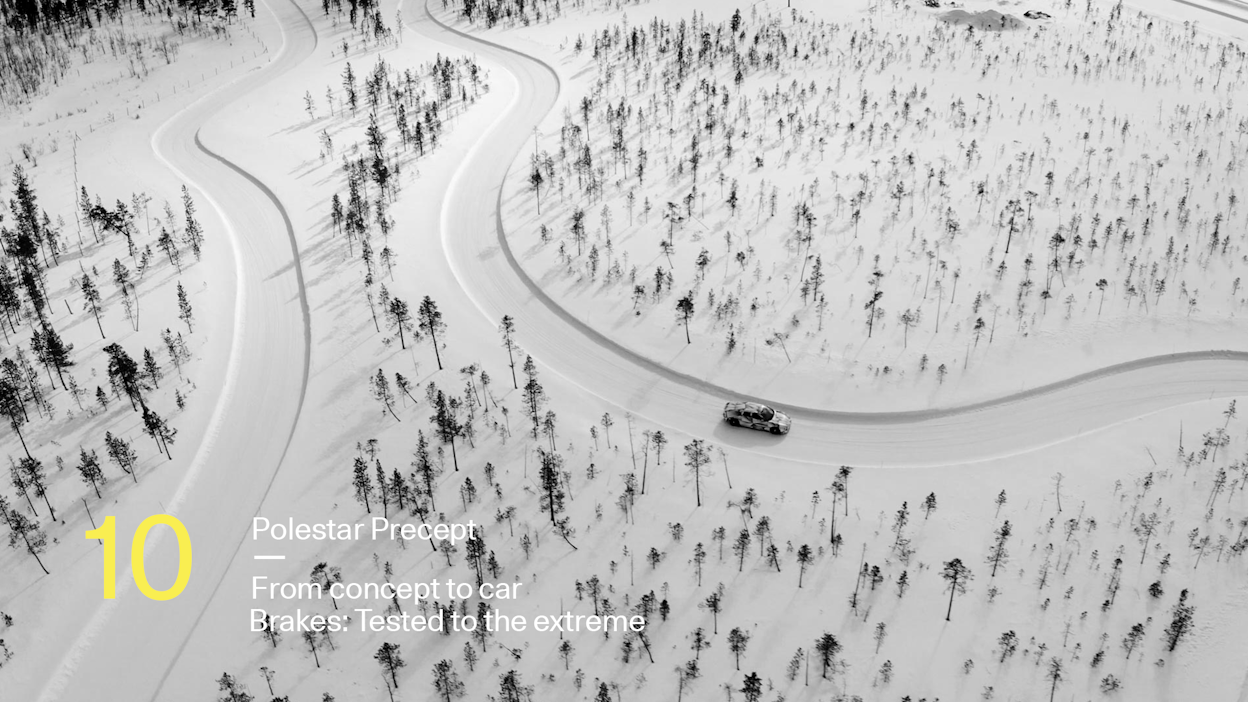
(124, 375)
(752, 688)
(120, 453)
(160, 431)
(13, 405)
(151, 369)
(430, 321)
(233, 691)
(803, 561)
(550, 478)
(89, 469)
(91, 300)
(1182, 616)
(362, 483)
(400, 320)
(740, 547)
(52, 351)
(1008, 643)
(714, 603)
(446, 681)
(380, 387)
(684, 310)
(387, 656)
(534, 395)
(737, 642)
(184, 309)
(426, 470)
(957, 575)
(997, 553)
(1133, 639)
(508, 329)
(309, 637)
(511, 689)
(827, 647)
(26, 530)
(1145, 529)
(446, 423)
(686, 675)
(697, 457)
(700, 642)
(34, 478)
(1054, 674)
(929, 505)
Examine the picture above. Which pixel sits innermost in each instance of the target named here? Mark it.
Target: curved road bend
(476, 247)
(132, 641)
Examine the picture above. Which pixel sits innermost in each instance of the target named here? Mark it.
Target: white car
(757, 416)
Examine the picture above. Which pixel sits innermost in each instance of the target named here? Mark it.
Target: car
(754, 415)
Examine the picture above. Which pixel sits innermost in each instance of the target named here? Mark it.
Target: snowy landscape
(418, 321)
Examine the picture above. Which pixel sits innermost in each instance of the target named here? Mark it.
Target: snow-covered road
(476, 246)
(134, 639)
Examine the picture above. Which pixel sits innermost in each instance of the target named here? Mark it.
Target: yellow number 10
(108, 534)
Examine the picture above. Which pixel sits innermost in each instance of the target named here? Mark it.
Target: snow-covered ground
(290, 342)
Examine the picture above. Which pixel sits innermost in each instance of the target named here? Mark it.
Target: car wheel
(734, 422)
(777, 430)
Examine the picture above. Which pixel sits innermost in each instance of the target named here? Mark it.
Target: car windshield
(765, 414)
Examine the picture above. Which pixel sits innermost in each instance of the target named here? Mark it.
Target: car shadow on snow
(741, 437)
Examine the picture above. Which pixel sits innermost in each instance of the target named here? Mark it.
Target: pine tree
(124, 375)
(426, 470)
(550, 478)
(446, 681)
(1008, 643)
(697, 457)
(232, 689)
(827, 647)
(752, 688)
(121, 454)
(998, 555)
(380, 387)
(1182, 616)
(91, 301)
(151, 369)
(89, 469)
(26, 531)
(741, 547)
(684, 310)
(362, 484)
(508, 329)
(430, 322)
(738, 640)
(803, 561)
(446, 423)
(184, 309)
(929, 505)
(511, 689)
(160, 431)
(534, 395)
(387, 656)
(35, 479)
(957, 575)
(399, 319)
(12, 403)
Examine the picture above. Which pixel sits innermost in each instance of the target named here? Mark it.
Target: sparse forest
(968, 189)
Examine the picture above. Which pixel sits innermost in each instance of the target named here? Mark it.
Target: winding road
(268, 372)
(250, 429)
(475, 243)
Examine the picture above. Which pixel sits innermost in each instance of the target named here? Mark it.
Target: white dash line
(269, 558)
